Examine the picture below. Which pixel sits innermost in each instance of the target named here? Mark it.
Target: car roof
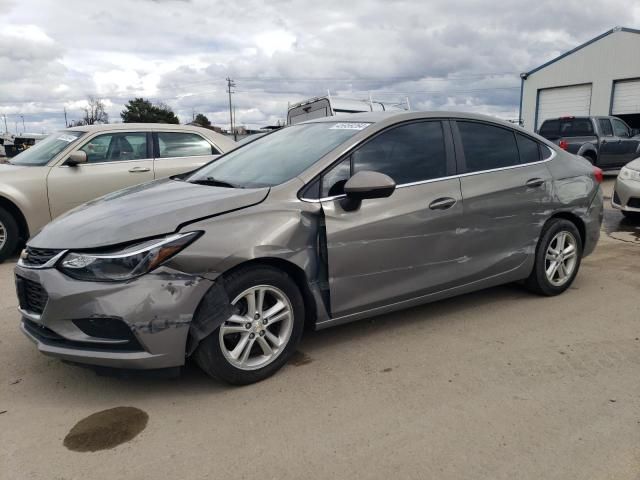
(125, 126)
(394, 117)
(219, 139)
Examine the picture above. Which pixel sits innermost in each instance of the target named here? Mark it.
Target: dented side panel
(281, 229)
(395, 248)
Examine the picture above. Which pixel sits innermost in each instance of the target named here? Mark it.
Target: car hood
(143, 211)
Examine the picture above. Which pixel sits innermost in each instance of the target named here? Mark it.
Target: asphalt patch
(300, 358)
(106, 429)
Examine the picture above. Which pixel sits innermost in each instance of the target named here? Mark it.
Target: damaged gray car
(315, 225)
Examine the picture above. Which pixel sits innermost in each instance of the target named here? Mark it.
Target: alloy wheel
(561, 258)
(259, 330)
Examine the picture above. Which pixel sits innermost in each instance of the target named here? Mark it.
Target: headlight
(126, 263)
(628, 174)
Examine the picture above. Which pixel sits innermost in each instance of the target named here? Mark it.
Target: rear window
(567, 127)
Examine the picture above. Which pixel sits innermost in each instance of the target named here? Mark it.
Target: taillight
(563, 145)
(597, 174)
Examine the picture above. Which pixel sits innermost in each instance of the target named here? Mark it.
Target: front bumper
(626, 195)
(153, 312)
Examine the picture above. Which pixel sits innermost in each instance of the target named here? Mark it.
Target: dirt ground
(498, 384)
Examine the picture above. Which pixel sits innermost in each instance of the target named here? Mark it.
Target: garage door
(626, 97)
(563, 101)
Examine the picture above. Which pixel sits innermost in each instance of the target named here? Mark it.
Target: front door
(115, 160)
(507, 190)
(403, 246)
(627, 144)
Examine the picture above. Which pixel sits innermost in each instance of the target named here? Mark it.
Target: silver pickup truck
(606, 142)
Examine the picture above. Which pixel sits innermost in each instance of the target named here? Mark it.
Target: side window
(333, 181)
(408, 153)
(620, 129)
(545, 152)
(528, 149)
(117, 146)
(487, 147)
(605, 127)
(175, 144)
(550, 128)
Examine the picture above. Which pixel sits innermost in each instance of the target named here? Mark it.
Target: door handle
(139, 169)
(535, 182)
(442, 203)
(604, 142)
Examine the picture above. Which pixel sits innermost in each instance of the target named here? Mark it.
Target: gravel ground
(498, 384)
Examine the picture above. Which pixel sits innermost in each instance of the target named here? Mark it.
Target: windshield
(277, 157)
(44, 151)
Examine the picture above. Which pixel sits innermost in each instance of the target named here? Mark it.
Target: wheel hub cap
(260, 329)
(561, 258)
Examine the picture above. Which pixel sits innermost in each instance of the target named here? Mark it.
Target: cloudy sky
(442, 54)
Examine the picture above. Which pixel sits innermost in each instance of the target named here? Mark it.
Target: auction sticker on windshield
(350, 126)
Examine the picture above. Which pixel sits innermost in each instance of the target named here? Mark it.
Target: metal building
(599, 77)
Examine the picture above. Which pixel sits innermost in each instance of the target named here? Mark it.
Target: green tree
(202, 120)
(140, 110)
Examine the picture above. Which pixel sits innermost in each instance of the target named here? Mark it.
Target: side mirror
(76, 158)
(366, 185)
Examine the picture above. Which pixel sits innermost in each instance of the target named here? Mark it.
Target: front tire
(9, 234)
(263, 333)
(558, 257)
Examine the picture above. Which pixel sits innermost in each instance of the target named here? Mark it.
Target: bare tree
(94, 112)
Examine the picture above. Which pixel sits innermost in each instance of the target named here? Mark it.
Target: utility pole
(230, 85)
(235, 125)
(66, 125)
(23, 129)
(6, 129)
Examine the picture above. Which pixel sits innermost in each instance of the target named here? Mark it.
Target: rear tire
(9, 234)
(237, 352)
(558, 257)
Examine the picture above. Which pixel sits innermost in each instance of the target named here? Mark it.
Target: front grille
(31, 295)
(634, 202)
(38, 256)
(49, 337)
(105, 327)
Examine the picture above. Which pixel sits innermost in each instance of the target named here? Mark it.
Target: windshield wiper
(213, 182)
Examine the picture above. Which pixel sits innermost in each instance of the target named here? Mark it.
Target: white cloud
(457, 54)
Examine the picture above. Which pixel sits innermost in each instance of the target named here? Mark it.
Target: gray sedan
(315, 225)
(626, 195)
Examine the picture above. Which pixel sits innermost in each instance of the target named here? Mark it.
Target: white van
(327, 106)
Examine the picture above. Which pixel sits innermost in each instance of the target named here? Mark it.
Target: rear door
(115, 160)
(180, 152)
(506, 188)
(404, 246)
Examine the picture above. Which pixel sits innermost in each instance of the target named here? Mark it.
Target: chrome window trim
(49, 264)
(439, 179)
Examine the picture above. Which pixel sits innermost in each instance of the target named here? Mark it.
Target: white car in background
(78, 164)
(626, 194)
